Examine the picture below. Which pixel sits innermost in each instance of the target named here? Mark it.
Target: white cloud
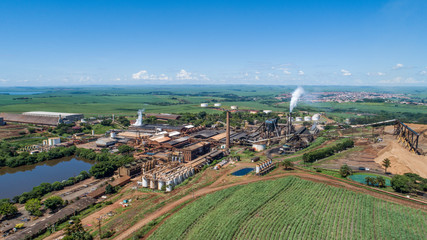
(257, 77)
(143, 75)
(204, 77)
(376, 74)
(423, 72)
(345, 72)
(3, 80)
(399, 65)
(118, 79)
(286, 72)
(163, 77)
(184, 75)
(300, 72)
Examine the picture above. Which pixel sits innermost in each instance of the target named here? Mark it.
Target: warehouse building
(66, 117)
(193, 151)
(28, 119)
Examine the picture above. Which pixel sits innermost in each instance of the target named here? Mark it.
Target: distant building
(65, 117)
(28, 119)
(193, 151)
(1, 121)
(163, 116)
(203, 105)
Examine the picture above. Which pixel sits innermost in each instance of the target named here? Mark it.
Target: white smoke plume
(295, 97)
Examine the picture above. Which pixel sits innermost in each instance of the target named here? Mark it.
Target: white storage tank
(217, 104)
(113, 134)
(153, 184)
(144, 182)
(316, 117)
(161, 184)
(257, 169)
(307, 118)
(169, 186)
(203, 105)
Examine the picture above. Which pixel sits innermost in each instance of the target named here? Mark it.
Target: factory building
(193, 151)
(28, 119)
(65, 117)
(52, 141)
(163, 116)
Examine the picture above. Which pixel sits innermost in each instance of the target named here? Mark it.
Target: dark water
(15, 181)
(242, 172)
(20, 93)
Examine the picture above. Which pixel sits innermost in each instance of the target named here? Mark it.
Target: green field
(292, 208)
(126, 100)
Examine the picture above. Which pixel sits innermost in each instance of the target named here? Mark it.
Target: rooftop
(52, 114)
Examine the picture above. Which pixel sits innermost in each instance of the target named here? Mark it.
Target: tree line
(327, 151)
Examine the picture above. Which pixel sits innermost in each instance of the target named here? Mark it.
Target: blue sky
(53, 43)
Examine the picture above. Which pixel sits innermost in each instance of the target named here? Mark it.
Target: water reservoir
(242, 172)
(361, 178)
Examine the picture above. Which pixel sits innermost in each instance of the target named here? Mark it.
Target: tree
(53, 203)
(33, 207)
(288, 164)
(7, 209)
(125, 149)
(386, 164)
(102, 169)
(75, 231)
(109, 189)
(345, 170)
(380, 182)
(106, 122)
(371, 181)
(401, 183)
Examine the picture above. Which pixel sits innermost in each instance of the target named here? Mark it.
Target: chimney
(227, 140)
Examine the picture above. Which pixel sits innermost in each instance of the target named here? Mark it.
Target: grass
(290, 208)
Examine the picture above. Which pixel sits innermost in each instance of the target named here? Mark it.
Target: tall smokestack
(227, 138)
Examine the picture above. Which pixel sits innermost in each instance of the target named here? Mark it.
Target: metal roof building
(72, 117)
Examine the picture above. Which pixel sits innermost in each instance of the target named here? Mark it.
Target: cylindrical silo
(257, 169)
(153, 184)
(161, 184)
(144, 182)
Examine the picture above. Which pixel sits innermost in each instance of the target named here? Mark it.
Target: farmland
(125, 100)
(290, 208)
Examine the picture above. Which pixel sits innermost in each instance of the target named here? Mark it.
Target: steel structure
(408, 136)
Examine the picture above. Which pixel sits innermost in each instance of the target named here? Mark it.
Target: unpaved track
(316, 178)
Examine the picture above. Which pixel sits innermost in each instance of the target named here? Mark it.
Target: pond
(15, 181)
(361, 178)
(242, 172)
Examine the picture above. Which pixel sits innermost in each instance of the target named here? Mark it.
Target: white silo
(144, 182)
(113, 134)
(153, 184)
(169, 186)
(316, 117)
(257, 169)
(161, 184)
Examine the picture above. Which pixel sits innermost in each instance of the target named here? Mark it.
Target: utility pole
(99, 226)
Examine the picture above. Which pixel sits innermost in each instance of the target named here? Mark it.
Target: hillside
(290, 208)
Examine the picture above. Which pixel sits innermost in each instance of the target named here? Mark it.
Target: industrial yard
(149, 165)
